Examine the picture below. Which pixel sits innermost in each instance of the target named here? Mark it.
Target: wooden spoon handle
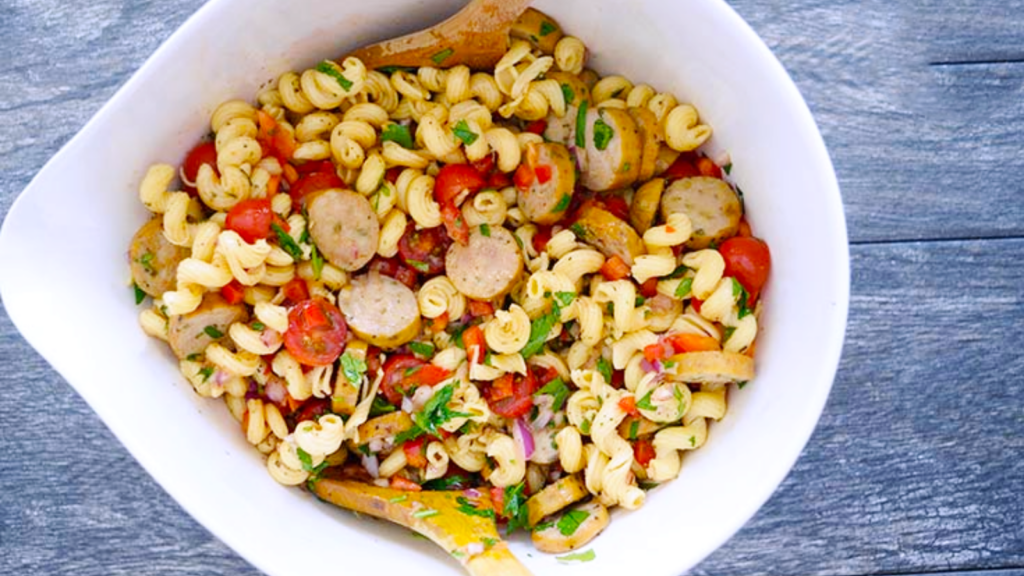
(496, 561)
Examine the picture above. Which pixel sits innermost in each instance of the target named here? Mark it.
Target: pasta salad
(526, 281)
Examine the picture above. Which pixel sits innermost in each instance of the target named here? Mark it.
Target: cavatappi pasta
(448, 278)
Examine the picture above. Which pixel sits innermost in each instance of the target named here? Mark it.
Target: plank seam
(979, 62)
(950, 240)
(1007, 570)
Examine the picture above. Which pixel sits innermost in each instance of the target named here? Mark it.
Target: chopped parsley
(568, 93)
(425, 513)
(684, 287)
(571, 521)
(434, 415)
(468, 508)
(693, 441)
(645, 402)
(193, 357)
(639, 301)
(605, 369)
(564, 299)
(634, 429)
(462, 132)
(727, 168)
(353, 368)
(603, 134)
(328, 68)
(547, 28)
(206, 371)
(563, 204)
(728, 333)
(147, 262)
(381, 406)
(741, 384)
(489, 542)
(442, 56)
(456, 482)
(677, 393)
(741, 292)
(679, 272)
(139, 294)
(318, 263)
(424, 349)
(586, 556)
(213, 332)
(485, 229)
(398, 499)
(259, 326)
(585, 426)
(393, 69)
(288, 244)
(578, 230)
(419, 265)
(558, 390)
(625, 168)
(541, 327)
(515, 507)
(398, 134)
(581, 125)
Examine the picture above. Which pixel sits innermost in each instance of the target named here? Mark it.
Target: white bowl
(63, 244)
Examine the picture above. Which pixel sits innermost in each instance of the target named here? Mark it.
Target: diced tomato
(744, 230)
(290, 173)
(455, 224)
(395, 368)
(708, 168)
(393, 173)
(618, 379)
(252, 219)
(628, 405)
(617, 205)
(544, 375)
(520, 401)
(233, 292)
(473, 340)
(316, 166)
(438, 324)
(748, 260)
(401, 483)
(295, 290)
(498, 500)
(423, 250)
(685, 166)
(395, 268)
(501, 387)
(751, 349)
(643, 452)
(541, 238)
(524, 177)
(615, 268)
(312, 409)
(485, 165)
(537, 127)
(275, 140)
(696, 304)
(455, 182)
(498, 180)
(692, 343)
(657, 351)
(313, 182)
(415, 453)
(202, 153)
(480, 308)
(316, 332)
(543, 174)
(649, 289)
(427, 375)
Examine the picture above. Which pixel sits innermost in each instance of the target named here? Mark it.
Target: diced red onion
(523, 437)
(407, 406)
(544, 412)
(648, 366)
(371, 465)
(471, 493)
(275, 390)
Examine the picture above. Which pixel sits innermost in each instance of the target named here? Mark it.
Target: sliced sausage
(588, 521)
(647, 122)
(563, 128)
(713, 208)
(154, 261)
(488, 266)
(383, 427)
(537, 28)
(344, 227)
(547, 198)
(554, 497)
(645, 204)
(380, 310)
(608, 233)
(191, 333)
(612, 150)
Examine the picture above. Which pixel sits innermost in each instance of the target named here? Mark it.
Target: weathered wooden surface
(917, 464)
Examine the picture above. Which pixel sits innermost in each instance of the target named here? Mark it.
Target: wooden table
(917, 465)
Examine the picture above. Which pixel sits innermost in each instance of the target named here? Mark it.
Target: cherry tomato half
(252, 219)
(520, 401)
(394, 373)
(748, 260)
(455, 182)
(643, 452)
(395, 268)
(424, 250)
(313, 182)
(203, 153)
(316, 332)
(685, 166)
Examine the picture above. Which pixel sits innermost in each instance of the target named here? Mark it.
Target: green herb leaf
(539, 330)
(206, 371)
(462, 132)
(259, 326)
(677, 393)
(442, 56)
(693, 441)
(213, 332)
(139, 294)
(147, 262)
(639, 301)
(585, 426)
(727, 333)
(741, 384)
(353, 368)
(563, 204)
(557, 389)
(425, 513)
(469, 508)
(329, 69)
(381, 406)
(571, 520)
(679, 272)
(547, 28)
(485, 229)
(634, 429)
(424, 349)
(288, 244)
(605, 369)
(318, 263)
(408, 435)
(744, 309)
(305, 458)
(515, 507)
(489, 542)
(684, 287)
(564, 299)
(393, 69)
(568, 93)
(398, 499)
(579, 230)
(193, 357)
(436, 411)
(419, 265)
(645, 402)
(586, 556)
(727, 168)
(455, 482)
(581, 125)
(603, 134)
(398, 134)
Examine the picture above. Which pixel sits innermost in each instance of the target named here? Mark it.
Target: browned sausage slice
(546, 200)
(608, 233)
(647, 122)
(380, 310)
(344, 227)
(537, 28)
(191, 333)
(154, 261)
(645, 204)
(488, 266)
(613, 150)
(713, 208)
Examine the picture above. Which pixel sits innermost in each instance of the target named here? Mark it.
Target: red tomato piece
(312, 409)
(473, 340)
(426, 375)
(485, 165)
(313, 182)
(233, 292)
(415, 454)
(617, 205)
(316, 332)
(480, 308)
(643, 452)
(400, 483)
(685, 166)
(521, 400)
(748, 260)
(498, 180)
(498, 500)
(395, 268)
(524, 177)
(537, 127)
(423, 250)
(541, 238)
(614, 268)
(251, 219)
(692, 343)
(649, 289)
(438, 324)
(455, 224)
(202, 153)
(315, 166)
(455, 182)
(543, 174)
(296, 291)
(393, 173)
(708, 168)
(628, 405)
(696, 304)
(395, 368)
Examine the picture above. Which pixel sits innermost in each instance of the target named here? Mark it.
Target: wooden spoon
(476, 36)
(460, 522)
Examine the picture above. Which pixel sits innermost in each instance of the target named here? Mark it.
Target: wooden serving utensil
(460, 522)
(476, 36)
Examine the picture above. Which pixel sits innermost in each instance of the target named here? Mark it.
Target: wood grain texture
(916, 466)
